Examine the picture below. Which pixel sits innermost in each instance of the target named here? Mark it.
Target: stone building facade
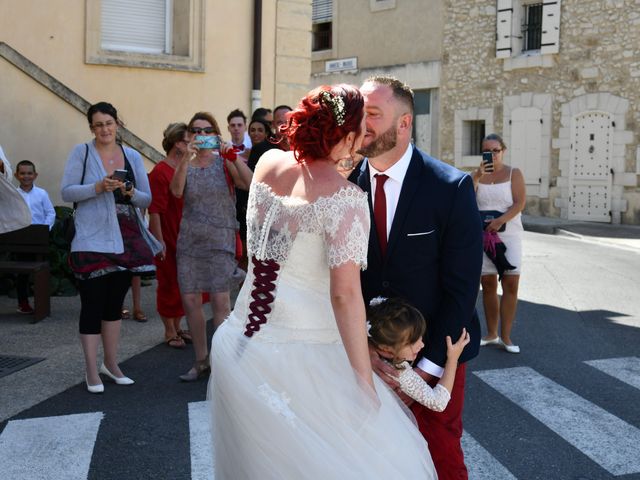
(560, 81)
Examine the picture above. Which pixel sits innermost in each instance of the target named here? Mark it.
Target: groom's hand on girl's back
(385, 371)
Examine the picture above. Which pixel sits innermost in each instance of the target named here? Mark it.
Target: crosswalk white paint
(480, 463)
(603, 437)
(49, 448)
(201, 443)
(626, 369)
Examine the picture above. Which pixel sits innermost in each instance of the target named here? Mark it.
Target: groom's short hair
(401, 90)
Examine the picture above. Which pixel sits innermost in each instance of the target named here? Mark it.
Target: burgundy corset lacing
(265, 273)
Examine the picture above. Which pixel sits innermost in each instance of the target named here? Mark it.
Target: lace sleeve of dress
(345, 217)
(413, 385)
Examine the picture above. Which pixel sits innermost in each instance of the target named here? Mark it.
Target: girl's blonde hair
(395, 324)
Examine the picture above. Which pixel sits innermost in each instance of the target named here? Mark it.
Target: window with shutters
(322, 25)
(526, 31)
(164, 34)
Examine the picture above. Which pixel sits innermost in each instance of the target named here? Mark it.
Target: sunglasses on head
(198, 130)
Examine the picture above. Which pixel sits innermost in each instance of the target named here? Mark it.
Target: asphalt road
(565, 408)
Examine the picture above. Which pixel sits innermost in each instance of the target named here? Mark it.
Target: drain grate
(9, 364)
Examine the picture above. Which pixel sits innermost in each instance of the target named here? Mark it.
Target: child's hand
(454, 350)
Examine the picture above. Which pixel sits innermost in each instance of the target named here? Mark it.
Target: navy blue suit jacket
(434, 253)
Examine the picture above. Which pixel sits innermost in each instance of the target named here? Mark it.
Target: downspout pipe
(256, 87)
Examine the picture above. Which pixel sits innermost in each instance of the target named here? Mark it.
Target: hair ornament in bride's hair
(336, 103)
(368, 329)
(377, 301)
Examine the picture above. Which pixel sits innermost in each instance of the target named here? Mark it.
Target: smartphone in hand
(119, 175)
(208, 142)
(487, 161)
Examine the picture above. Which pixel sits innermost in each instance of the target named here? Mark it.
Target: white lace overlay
(278, 402)
(412, 384)
(341, 219)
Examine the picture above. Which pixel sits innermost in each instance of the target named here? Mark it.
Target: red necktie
(380, 211)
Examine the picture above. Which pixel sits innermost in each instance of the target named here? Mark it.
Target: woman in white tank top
(502, 189)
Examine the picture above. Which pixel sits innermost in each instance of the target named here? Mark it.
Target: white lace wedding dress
(285, 401)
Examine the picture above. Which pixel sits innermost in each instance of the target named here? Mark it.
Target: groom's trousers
(443, 431)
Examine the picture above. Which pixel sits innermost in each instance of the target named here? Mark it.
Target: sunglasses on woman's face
(200, 130)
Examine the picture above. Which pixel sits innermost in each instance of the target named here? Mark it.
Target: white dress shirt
(42, 211)
(393, 185)
(392, 188)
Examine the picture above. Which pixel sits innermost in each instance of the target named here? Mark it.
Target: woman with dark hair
(111, 241)
(501, 192)
(259, 131)
(293, 394)
(206, 176)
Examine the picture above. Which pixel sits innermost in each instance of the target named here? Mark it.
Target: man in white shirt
(237, 126)
(425, 246)
(42, 213)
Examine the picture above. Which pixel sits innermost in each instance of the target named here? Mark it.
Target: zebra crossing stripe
(603, 437)
(201, 444)
(51, 448)
(480, 463)
(625, 369)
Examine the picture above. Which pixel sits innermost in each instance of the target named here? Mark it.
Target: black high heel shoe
(199, 370)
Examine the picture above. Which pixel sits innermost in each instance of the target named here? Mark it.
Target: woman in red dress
(165, 214)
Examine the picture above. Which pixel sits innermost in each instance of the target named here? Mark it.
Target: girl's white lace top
(412, 384)
(341, 219)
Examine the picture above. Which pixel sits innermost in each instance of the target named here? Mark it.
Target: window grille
(532, 28)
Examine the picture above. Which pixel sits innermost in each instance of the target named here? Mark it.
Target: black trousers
(101, 299)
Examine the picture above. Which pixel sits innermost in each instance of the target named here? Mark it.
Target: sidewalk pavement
(622, 236)
(56, 338)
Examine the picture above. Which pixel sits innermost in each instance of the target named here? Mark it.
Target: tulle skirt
(296, 411)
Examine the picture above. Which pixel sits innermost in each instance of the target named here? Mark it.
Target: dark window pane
(321, 36)
(533, 27)
(475, 130)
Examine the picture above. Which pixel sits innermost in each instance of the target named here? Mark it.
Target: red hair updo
(322, 119)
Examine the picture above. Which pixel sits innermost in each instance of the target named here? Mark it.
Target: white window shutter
(526, 141)
(322, 11)
(550, 27)
(139, 26)
(503, 28)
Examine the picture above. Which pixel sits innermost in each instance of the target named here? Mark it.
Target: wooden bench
(35, 240)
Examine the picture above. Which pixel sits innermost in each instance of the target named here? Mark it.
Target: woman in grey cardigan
(110, 240)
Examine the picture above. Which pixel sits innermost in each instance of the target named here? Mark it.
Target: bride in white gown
(292, 392)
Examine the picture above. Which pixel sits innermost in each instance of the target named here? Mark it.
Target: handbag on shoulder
(488, 215)
(69, 224)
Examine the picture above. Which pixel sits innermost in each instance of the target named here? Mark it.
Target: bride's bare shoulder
(272, 164)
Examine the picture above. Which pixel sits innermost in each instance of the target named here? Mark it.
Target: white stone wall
(598, 60)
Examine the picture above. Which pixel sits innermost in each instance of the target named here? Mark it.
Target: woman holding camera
(206, 176)
(106, 181)
(500, 188)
